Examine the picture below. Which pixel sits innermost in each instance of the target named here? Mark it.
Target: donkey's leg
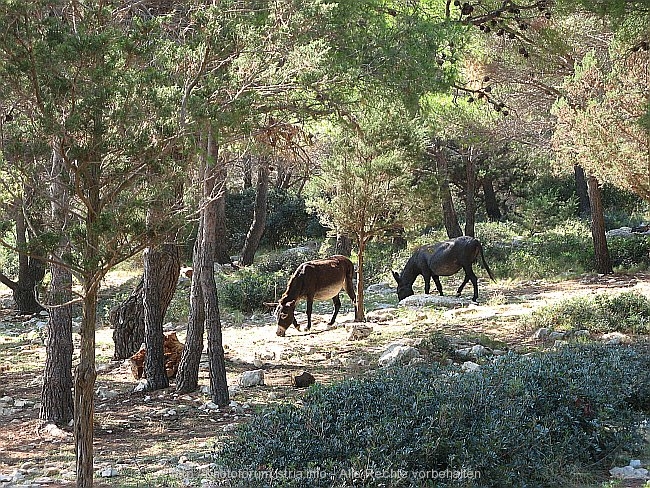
(470, 276)
(427, 282)
(310, 305)
(436, 280)
(462, 285)
(337, 307)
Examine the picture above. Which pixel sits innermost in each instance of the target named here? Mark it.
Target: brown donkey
(320, 279)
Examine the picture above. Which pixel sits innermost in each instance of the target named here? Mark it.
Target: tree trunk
(84, 390)
(256, 230)
(216, 354)
(603, 261)
(31, 270)
(127, 320)
(187, 377)
(470, 194)
(584, 207)
(359, 312)
(221, 253)
(161, 270)
(491, 204)
(57, 401)
(448, 210)
(57, 404)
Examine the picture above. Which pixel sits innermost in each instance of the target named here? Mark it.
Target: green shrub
(287, 261)
(542, 420)
(627, 312)
(247, 289)
(287, 219)
(630, 252)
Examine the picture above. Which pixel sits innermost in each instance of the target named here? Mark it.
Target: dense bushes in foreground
(542, 420)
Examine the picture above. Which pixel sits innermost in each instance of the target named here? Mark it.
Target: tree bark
(216, 354)
(491, 204)
(256, 230)
(448, 210)
(187, 377)
(584, 206)
(221, 253)
(84, 390)
(128, 318)
(31, 270)
(57, 401)
(603, 261)
(359, 311)
(470, 193)
(161, 270)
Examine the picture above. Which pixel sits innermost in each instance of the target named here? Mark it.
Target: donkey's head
(285, 315)
(403, 289)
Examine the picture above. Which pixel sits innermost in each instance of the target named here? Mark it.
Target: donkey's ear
(396, 276)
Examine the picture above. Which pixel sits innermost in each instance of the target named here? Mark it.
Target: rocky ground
(166, 439)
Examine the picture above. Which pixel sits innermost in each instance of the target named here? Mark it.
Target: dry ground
(149, 438)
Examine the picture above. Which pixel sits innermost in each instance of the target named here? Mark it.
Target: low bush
(627, 312)
(248, 289)
(542, 420)
(630, 252)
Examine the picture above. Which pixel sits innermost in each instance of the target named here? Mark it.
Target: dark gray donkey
(442, 259)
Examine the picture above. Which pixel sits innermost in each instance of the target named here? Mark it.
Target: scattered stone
(556, 336)
(382, 316)
(358, 331)
(50, 471)
(6, 400)
(615, 338)
(542, 333)
(383, 288)
(620, 232)
(470, 366)
(106, 394)
(397, 353)
(629, 473)
(108, 473)
(415, 301)
(303, 380)
(252, 378)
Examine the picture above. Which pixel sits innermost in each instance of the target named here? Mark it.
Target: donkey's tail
(485, 265)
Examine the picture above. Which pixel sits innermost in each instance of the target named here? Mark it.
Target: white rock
(397, 354)
(470, 366)
(357, 332)
(432, 301)
(541, 333)
(251, 378)
(478, 351)
(629, 473)
(615, 338)
(383, 288)
(635, 463)
(108, 472)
